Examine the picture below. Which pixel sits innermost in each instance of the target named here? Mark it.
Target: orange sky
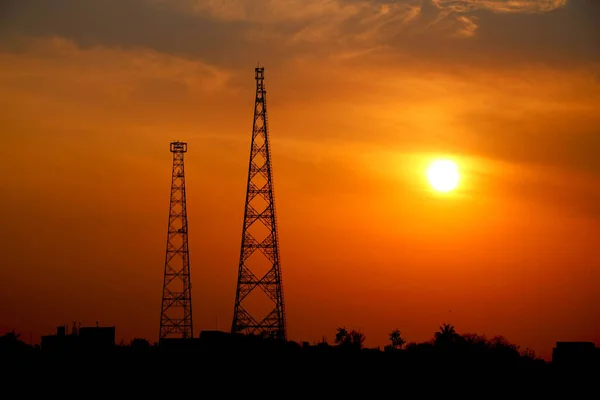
(361, 96)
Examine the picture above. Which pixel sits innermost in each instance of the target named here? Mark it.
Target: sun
(443, 175)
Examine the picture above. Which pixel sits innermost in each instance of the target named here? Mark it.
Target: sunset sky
(362, 96)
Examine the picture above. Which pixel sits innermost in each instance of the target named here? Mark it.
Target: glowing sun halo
(443, 175)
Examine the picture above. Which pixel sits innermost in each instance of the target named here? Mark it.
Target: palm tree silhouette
(341, 336)
(447, 334)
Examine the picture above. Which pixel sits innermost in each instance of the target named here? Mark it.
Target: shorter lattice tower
(176, 310)
(259, 270)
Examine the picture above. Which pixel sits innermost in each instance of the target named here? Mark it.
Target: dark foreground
(229, 366)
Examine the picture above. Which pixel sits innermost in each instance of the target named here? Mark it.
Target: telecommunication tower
(259, 236)
(176, 310)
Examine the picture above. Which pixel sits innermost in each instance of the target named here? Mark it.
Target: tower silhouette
(259, 266)
(176, 310)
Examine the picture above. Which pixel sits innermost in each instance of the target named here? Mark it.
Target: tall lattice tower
(176, 311)
(259, 273)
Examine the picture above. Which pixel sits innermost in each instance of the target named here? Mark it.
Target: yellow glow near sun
(443, 175)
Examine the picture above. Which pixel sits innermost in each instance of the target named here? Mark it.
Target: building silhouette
(576, 355)
(92, 338)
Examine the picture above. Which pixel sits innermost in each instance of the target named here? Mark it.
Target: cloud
(298, 22)
(501, 6)
(273, 11)
(562, 192)
(460, 12)
(533, 114)
(126, 24)
(282, 11)
(320, 20)
(141, 63)
(286, 11)
(236, 32)
(546, 113)
(136, 87)
(468, 26)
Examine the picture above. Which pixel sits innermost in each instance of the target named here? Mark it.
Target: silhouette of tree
(11, 341)
(446, 335)
(529, 354)
(341, 336)
(139, 344)
(11, 337)
(474, 339)
(265, 335)
(475, 343)
(357, 338)
(396, 339)
(502, 348)
(411, 345)
(352, 339)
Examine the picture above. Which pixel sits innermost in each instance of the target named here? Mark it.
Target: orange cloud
(362, 21)
(501, 6)
(468, 26)
(313, 21)
(286, 11)
(466, 23)
(227, 33)
(102, 77)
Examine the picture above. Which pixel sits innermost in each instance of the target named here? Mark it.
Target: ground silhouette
(345, 364)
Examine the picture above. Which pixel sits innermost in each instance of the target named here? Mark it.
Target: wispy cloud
(310, 21)
(468, 26)
(457, 14)
(282, 11)
(273, 11)
(230, 32)
(344, 22)
(501, 6)
(142, 63)
(302, 10)
(58, 76)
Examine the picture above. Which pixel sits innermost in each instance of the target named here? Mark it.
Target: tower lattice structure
(259, 264)
(176, 310)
